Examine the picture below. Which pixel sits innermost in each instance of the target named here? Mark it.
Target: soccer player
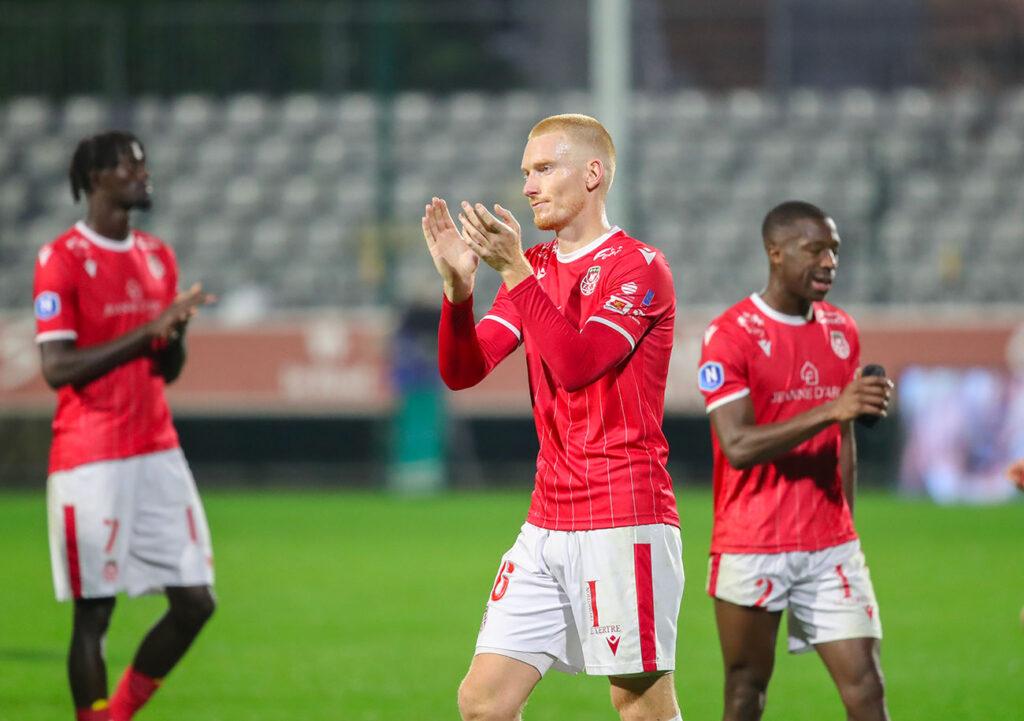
(124, 513)
(779, 371)
(595, 577)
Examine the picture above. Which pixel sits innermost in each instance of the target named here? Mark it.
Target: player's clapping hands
(496, 240)
(170, 324)
(864, 395)
(452, 256)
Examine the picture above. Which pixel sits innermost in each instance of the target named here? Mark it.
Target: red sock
(133, 691)
(94, 714)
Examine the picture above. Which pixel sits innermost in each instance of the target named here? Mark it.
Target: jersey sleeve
(54, 297)
(466, 352)
(503, 314)
(723, 373)
(854, 349)
(636, 295)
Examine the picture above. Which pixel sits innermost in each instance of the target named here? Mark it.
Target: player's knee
(191, 611)
(746, 691)
(475, 704)
(864, 694)
(92, 615)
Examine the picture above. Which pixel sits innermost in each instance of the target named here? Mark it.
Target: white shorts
(132, 524)
(828, 593)
(605, 601)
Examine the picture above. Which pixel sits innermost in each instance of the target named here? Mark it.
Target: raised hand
(496, 240)
(454, 260)
(172, 321)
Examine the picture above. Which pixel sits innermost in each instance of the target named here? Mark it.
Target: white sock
(678, 717)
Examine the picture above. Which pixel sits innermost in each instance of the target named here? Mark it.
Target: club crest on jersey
(619, 305)
(47, 305)
(589, 283)
(155, 266)
(711, 376)
(840, 346)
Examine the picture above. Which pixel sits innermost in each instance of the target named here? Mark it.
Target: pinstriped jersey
(602, 457)
(786, 365)
(91, 289)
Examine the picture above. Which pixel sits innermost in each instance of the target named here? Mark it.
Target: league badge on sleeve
(711, 376)
(47, 305)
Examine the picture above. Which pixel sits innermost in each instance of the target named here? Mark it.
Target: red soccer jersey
(787, 365)
(92, 289)
(602, 451)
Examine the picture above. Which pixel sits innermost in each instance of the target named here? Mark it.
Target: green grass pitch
(364, 607)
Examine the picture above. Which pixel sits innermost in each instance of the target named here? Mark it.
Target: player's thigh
(626, 587)
(528, 613)
(170, 537)
(835, 601)
(496, 686)
(89, 509)
(853, 662)
(747, 637)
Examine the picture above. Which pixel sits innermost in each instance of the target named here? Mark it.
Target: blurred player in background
(595, 578)
(1016, 473)
(124, 513)
(779, 371)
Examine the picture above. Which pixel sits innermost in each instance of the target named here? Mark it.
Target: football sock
(99, 711)
(133, 691)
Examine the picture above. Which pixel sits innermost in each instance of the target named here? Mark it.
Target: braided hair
(99, 152)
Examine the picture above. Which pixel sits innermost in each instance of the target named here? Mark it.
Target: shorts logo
(589, 283)
(613, 643)
(110, 571)
(47, 305)
(501, 582)
(839, 344)
(710, 377)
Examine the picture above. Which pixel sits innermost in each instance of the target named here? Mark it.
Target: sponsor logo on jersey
(752, 323)
(629, 288)
(829, 317)
(710, 377)
(606, 253)
(619, 305)
(648, 297)
(133, 289)
(156, 267)
(589, 283)
(809, 374)
(839, 344)
(47, 305)
(648, 254)
(541, 273)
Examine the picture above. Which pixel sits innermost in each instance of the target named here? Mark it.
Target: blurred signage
(340, 363)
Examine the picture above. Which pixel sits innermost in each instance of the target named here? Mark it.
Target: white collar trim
(757, 300)
(588, 248)
(120, 246)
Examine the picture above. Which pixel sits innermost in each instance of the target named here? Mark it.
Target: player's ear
(595, 174)
(774, 251)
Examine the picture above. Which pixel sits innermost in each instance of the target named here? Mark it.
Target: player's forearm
(848, 463)
(460, 358)
(64, 364)
(575, 359)
(751, 445)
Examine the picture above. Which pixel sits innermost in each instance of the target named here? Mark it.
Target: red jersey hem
(780, 547)
(598, 524)
(56, 466)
